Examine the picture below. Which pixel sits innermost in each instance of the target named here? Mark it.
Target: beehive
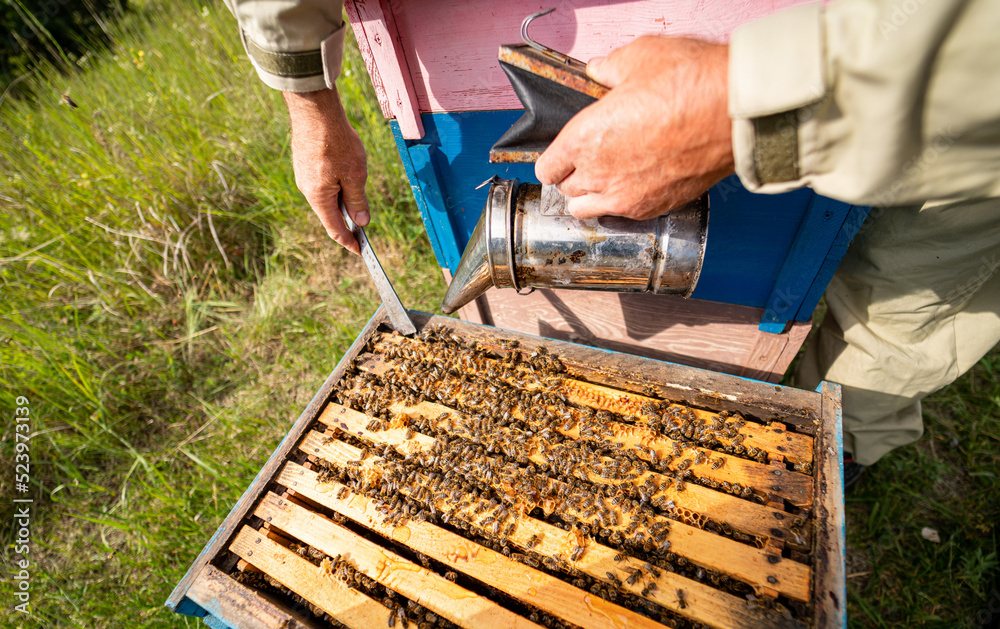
(474, 477)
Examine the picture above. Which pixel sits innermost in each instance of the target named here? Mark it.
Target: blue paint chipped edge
(214, 622)
(828, 226)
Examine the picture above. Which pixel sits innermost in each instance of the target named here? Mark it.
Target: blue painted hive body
(776, 252)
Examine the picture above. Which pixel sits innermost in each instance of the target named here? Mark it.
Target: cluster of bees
(440, 375)
(408, 491)
(446, 353)
(479, 478)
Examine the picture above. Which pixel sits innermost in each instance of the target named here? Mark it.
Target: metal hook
(539, 47)
(491, 180)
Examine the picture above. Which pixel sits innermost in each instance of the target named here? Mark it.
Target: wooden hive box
(477, 477)
(433, 65)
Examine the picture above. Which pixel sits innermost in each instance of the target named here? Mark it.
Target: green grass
(170, 305)
(947, 482)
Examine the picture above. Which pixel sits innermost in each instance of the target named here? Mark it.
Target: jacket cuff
(300, 71)
(776, 69)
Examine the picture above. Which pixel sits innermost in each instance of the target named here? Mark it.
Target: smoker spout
(472, 277)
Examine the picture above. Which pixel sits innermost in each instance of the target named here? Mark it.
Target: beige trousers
(913, 306)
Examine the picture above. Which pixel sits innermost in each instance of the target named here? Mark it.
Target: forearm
(295, 45)
(868, 103)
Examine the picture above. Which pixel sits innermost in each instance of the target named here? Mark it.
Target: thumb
(611, 70)
(591, 205)
(356, 201)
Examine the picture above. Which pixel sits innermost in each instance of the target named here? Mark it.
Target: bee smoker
(525, 239)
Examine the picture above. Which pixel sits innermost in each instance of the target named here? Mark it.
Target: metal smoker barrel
(525, 239)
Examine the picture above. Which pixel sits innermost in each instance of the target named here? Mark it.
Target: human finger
(356, 201)
(590, 205)
(573, 185)
(556, 163)
(328, 211)
(611, 70)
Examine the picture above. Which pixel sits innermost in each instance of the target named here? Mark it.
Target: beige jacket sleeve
(880, 102)
(295, 45)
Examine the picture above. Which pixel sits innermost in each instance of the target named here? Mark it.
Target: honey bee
(681, 602)
(634, 577)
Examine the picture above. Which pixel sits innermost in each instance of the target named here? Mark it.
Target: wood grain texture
(708, 335)
(239, 606)
(712, 551)
(773, 353)
(379, 28)
(703, 603)
(413, 581)
(691, 504)
(318, 586)
(830, 575)
(366, 55)
(524, 583)
(451, 45)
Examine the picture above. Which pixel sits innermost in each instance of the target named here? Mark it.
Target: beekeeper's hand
(329, 159)
(658, 139)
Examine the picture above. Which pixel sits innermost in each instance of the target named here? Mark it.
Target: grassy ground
(169, 306)
(947, 482)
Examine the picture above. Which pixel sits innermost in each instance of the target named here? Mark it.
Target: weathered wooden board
(299, 515)
(225, 598)
(703, 603)
(438, 594)
(451, 46)
(375, 23)
(829, 577)
(704, 334)
(312, 583)
(524, 583)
